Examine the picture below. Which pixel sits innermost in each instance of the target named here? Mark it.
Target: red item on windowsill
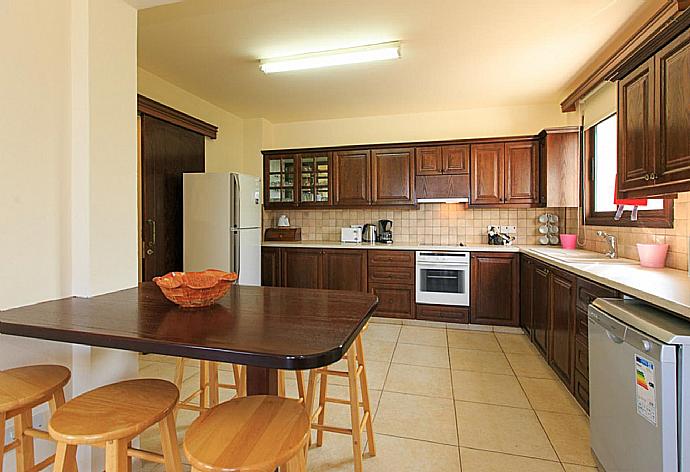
(626, 201)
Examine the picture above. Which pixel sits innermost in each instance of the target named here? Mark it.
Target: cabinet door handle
(647, 176)
(653, 176)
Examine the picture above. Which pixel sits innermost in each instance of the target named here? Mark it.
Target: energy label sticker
(645, 389)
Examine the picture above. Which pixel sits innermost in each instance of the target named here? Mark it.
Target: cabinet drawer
(453, 314)
(587, 291)
(581, 390)
(391, 258)
(582, 357)
(395, 301)
(581, 327)
(396, 275)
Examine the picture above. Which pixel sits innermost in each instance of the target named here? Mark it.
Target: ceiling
(457, 54)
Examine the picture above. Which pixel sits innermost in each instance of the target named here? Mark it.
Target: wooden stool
(356, 374)
(113, 415)
(22, 389)
(256, 433)
(301, 396)
(209, 385)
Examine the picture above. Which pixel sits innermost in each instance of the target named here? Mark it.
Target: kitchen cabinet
(654, 123)
(562, 325)
(270, 266)
(505, 174)
(443, 313)
(301, 268)
(280, 181)
(352, 178)
(315, 180)
(438, 160)
(526, 285)
(391, 277)
(345, 269)
(392, 172)
(540, 307)
(492, 274)
(559, 161)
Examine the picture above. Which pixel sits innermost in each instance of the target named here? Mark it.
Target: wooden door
(456, 159)
(562, 325)
(522, 172)
(395, 301)
(429, 160)
(352, 178)
(392, 176)
(672, 69)
(526, 278)
(493, 274)
(486, 178)
(345, 269)
(636, 128)
(540, 307)
(167, 151)
(270, 267)
(301, 268)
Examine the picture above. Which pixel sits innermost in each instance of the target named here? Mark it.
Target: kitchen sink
(581, 256)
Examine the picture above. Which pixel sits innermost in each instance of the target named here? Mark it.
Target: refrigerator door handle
(236, 252)
(236, 200)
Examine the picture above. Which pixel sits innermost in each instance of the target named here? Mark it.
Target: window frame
(646, 219)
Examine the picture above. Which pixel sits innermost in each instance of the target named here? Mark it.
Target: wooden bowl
(196, 289)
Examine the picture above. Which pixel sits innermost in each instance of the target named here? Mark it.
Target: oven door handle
(444, 266)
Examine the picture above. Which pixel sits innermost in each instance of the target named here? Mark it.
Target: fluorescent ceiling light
(336, 57)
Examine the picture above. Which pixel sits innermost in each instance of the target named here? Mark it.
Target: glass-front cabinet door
(315, 179)
(281, 179)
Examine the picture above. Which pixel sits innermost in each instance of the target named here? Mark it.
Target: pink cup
(568, 241)
(652, 255)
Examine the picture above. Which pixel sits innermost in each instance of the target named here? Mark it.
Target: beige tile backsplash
(437, 223)
(453, 223)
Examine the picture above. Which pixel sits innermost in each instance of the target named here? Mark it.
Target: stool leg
(242, 392)
(25, 451)
(281, 383)
(116, 456)
(322, 405)
(354, 409)
(179, 378)
(203, 383)
(298, 463)
(171, 453)
(364, 384)
(3, 418)
(300, 384)
(65, 458)
(213, 389)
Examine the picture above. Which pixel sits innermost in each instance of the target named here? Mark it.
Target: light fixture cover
(336, 57)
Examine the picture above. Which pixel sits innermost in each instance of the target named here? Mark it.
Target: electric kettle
(369, 234)
(283, 221)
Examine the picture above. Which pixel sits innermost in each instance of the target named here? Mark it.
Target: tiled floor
(445, 400)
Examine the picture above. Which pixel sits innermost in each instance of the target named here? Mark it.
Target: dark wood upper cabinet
(456, 159)
(352, 177)
(345, 269)
(392, 172)
(315, 179)
(636, 128)
(654, 123)
(540, 307)
(429, 160)
(486, 179)
(522, 172)
(562, 325)
(270, 266)
(492, 274)
(559, 161)
(672, 79)
(280, 180)
(301, 268)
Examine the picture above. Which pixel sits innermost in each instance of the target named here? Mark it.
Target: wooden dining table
(264, 328)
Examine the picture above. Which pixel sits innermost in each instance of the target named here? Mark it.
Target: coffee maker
(385, 233)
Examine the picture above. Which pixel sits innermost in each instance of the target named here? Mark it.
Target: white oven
(443, 277)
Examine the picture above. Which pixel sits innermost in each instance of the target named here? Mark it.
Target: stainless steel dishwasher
(639, 384)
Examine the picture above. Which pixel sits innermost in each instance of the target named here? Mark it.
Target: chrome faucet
(613, 246)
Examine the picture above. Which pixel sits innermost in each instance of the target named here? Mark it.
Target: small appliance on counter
(385, 231)
(353, 234)
(369, 233)
(283, 221)
(498, 238)
(283, 234)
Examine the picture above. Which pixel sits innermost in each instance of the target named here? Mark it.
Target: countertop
(666, 288)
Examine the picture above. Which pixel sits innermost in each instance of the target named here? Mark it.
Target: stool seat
(25, 387)
(111, 412)
(255, 433)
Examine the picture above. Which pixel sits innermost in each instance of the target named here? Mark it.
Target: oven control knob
(646, 346)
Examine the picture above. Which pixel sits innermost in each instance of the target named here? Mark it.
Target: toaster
(351, 235)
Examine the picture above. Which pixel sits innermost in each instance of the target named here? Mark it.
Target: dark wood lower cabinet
(301, 268)
(345, 269)
(270, 266)
(526, 282)
(562, 325)
(581, 390)
(395, 301)
(453, 314)
(540, 307)
(392, 279)
(492, 274)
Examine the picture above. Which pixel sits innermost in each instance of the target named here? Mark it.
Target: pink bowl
(652, 255)
(568, 241)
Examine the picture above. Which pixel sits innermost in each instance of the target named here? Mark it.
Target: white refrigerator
(222, 224)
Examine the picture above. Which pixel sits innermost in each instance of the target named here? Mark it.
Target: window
(601, 158)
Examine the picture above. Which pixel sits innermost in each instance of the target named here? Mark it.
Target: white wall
(469, 123)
